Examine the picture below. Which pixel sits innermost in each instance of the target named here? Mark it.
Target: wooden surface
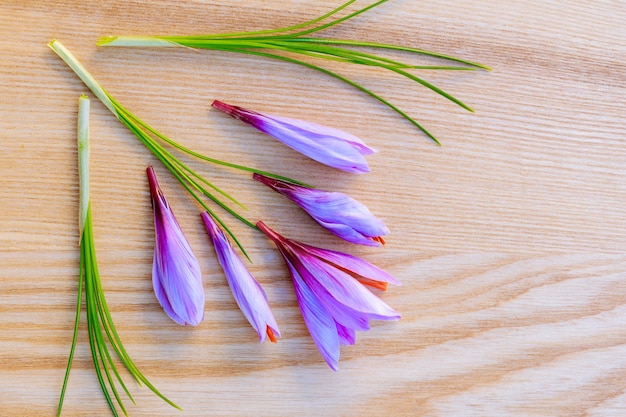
(509, 238)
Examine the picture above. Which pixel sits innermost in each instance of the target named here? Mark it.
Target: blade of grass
(387, 46)
(347, 81)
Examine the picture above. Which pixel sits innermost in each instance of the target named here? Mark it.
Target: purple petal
(346, 336)
(329, 295)
(176, 275)
(320, 323)
(248, 293)
(314, 129)
(331, 285)
(341, 313)
(337, 212)
(354, 265)
(162, 297)
(326, 145)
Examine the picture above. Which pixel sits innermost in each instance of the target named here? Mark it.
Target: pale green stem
(83, 161)
(143, 41)
(83, 74)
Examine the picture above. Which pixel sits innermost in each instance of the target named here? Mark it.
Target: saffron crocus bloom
(176, 274)
(247, 291)
(327, 145)
(331, 295)
(340, 214)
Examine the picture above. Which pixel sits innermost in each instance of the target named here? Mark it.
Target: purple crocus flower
(331, 295)
(247, 291)
(176, 274)
(326, 145)
(340, 214)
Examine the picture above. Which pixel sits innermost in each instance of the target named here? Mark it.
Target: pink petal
(329, 295)
(162, 297)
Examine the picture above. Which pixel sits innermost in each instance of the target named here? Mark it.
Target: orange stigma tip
(379, 239)
(381, 285)
(270, 334)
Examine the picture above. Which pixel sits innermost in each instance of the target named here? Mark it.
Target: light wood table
(509, 239)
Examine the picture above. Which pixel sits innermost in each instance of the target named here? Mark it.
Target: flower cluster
(330, 286)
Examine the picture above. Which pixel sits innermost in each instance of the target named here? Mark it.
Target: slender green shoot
(100, 327)
(294, 40)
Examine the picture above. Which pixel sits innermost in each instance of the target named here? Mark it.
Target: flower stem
(149, 137)
(82, 73)
(83, 160)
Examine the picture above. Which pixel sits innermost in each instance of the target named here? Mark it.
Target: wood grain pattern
(509, 239)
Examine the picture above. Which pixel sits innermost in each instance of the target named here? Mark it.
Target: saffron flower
(248, 293)
(326, 145)
(331, 294)
(337, 212)
(176, 275)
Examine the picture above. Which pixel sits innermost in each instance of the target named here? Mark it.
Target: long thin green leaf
(188, 151)
(91, 274)
(152, 146)
(368, 59)
(337, 21)
(340, 54)
(101, 309)
(347, 81)
(385, 46)
(431, 87)
(74, 336)
(92, 322)
(173, 166)
(287, 28)
(358, 57)
(144, 137)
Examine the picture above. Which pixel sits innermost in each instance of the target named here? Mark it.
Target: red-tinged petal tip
(269, 232)
(152, 181)
(224, 107)
(264, 180)
(280, 186)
